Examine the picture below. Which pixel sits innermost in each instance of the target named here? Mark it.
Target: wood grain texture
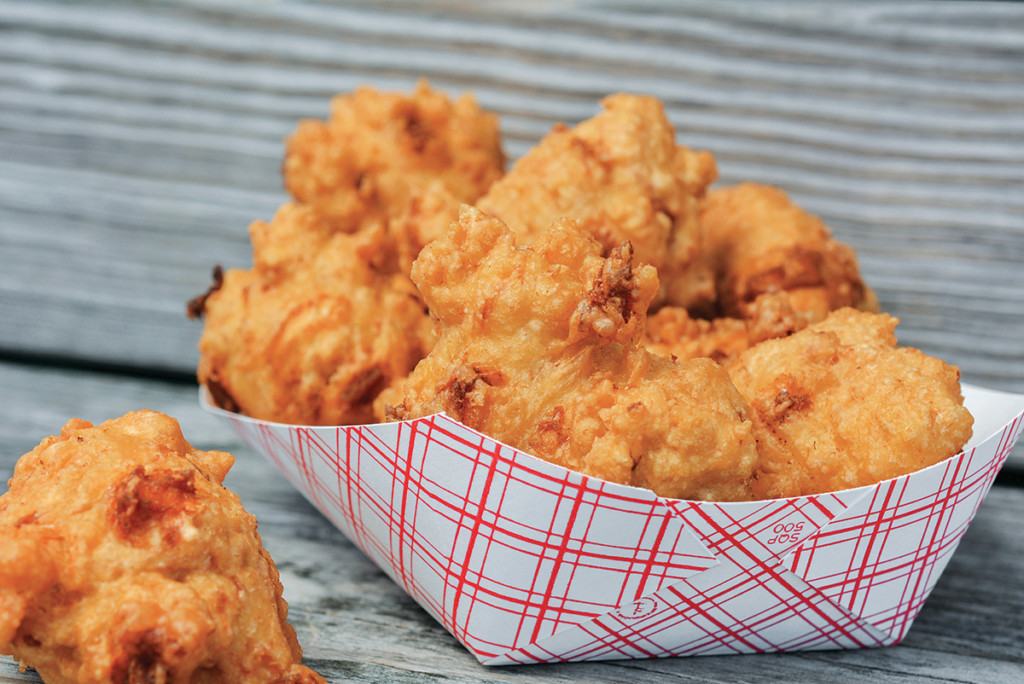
(355, 624)
(137, 141)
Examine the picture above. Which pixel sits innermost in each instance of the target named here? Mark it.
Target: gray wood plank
(357, 625)
(137, 141)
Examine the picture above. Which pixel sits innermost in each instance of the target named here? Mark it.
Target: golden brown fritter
(673, 332)
(840, 405)
(315, 330)
(758, 241)
(427, 216)
(124, 559)
(623, 177)
(540, 348)
(376, 148)
(327, 317)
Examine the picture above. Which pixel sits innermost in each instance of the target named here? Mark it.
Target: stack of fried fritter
(601, 307)
(327, 317)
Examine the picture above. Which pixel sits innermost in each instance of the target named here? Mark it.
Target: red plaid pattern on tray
(524, 561)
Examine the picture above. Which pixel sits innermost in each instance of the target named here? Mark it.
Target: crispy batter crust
(672, 331)
(759, 242)
(622, 176)
(315, 330)
(540, 348)
(840, 405)
(327, 316)
(123, 559)
(376, 148)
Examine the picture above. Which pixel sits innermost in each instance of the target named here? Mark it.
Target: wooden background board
(139, 139)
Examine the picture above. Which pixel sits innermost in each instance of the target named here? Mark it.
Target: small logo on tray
(641, 609)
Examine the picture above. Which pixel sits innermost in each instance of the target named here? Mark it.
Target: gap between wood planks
(31, 359)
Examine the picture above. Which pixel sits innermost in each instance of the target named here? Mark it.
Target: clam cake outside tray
(527, 562)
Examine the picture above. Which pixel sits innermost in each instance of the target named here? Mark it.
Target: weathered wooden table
(138, 140)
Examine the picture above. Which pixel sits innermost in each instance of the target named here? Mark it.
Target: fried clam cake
(315, 329)
(327, 315)
(840, 404)
(622, 176)
(758, 241)
(124, 559)
(540, 347)
(376, 148)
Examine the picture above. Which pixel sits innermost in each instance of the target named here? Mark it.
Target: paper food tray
(526, 562)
